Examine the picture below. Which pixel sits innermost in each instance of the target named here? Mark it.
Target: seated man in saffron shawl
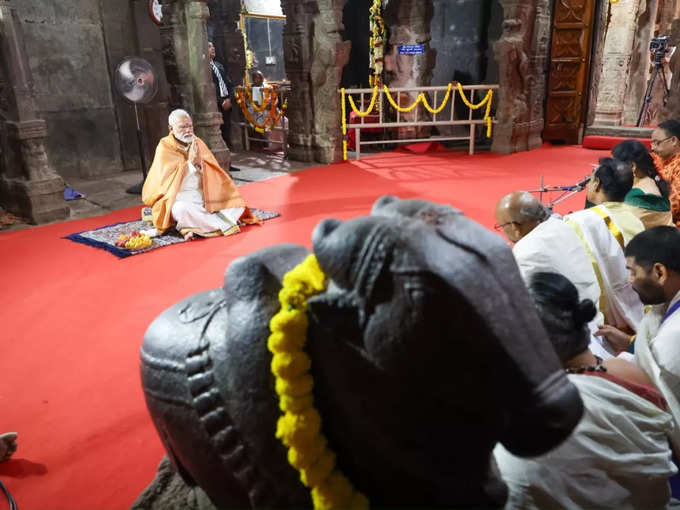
(187, 188)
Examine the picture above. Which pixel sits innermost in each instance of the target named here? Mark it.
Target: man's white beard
(184, 138)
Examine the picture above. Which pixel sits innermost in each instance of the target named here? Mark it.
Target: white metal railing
(382, 104)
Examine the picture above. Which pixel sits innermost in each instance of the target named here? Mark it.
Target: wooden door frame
(574, 135)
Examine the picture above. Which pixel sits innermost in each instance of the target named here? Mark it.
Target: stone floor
(108, 193)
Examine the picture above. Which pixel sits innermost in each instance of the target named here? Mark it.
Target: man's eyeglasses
(503, 225)
(659, 142)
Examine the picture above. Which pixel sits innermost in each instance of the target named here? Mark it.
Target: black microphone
(582, 183)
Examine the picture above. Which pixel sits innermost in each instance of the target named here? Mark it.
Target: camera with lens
(659, 47)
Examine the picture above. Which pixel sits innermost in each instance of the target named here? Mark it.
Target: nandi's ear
(339, 313)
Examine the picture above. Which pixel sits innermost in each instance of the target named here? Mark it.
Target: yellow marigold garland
(370, 106)
(299, 428)
(344, 124)
(442, 105)
(486, 101)
(376, 43)
(400, 108)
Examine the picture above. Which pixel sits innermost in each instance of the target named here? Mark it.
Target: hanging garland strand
(432, 110)
(486, 101)
(299, 428)
(370, 106)
(376, 43)
(344, 125)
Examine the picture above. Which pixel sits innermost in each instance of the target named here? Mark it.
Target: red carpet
(72, 317)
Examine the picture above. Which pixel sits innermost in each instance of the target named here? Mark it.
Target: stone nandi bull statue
(425, 351)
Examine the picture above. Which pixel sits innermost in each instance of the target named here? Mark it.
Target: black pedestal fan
(135, 81)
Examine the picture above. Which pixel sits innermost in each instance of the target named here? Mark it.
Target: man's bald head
(519, 213)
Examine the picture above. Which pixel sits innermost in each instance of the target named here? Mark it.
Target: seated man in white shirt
(544, 243)
(653, 261)
(605, 230)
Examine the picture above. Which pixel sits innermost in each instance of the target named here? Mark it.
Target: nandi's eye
(420, 289)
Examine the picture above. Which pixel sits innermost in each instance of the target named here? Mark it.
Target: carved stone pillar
(314, 55)
(522, 54)
(29, 186)
(408, 23)
(640, 61)
(185, 56)
(234, 53)
(618, 50)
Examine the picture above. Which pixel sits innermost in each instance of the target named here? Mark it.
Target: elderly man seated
(187, 188)
(544, 243)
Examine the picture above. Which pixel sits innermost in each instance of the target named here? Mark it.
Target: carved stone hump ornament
(425, 352)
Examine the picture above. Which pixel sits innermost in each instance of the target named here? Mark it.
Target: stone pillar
(640, 61)
(522, 53)
(409, 23)
(599, 35)
(186, 60)
(618, 51)
(29, 186)
(233, 50)
(314, 55)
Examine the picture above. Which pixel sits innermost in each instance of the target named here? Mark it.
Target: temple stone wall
(461, 33)
(73, 47)
(65, 40)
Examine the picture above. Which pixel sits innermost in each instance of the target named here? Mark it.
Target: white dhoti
(190, 214)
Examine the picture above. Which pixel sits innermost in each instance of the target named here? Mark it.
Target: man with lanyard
(224, 92)
(666, 149)
(605, 230)
(653, 261)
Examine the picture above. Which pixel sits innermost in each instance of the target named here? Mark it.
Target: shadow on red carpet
(73, 317)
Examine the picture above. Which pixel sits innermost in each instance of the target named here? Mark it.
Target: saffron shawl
(165, 178)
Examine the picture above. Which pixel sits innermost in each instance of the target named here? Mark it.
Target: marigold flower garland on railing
(368, 110)
(442, 105)
(421, 98)
(299, 428)
(274, 113)
(486, 101)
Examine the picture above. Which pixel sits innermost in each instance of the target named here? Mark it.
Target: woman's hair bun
(584, 312)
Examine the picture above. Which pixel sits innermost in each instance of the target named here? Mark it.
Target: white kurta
(618, 456)
(622, 304)
(189, 211)
(657, 352)
(554, 247)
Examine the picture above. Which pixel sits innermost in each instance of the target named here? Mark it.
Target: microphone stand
(567, 191)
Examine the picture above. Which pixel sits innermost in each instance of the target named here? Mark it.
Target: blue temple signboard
(411, 49)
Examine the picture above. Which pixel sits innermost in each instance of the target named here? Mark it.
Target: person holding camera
(666, 148)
